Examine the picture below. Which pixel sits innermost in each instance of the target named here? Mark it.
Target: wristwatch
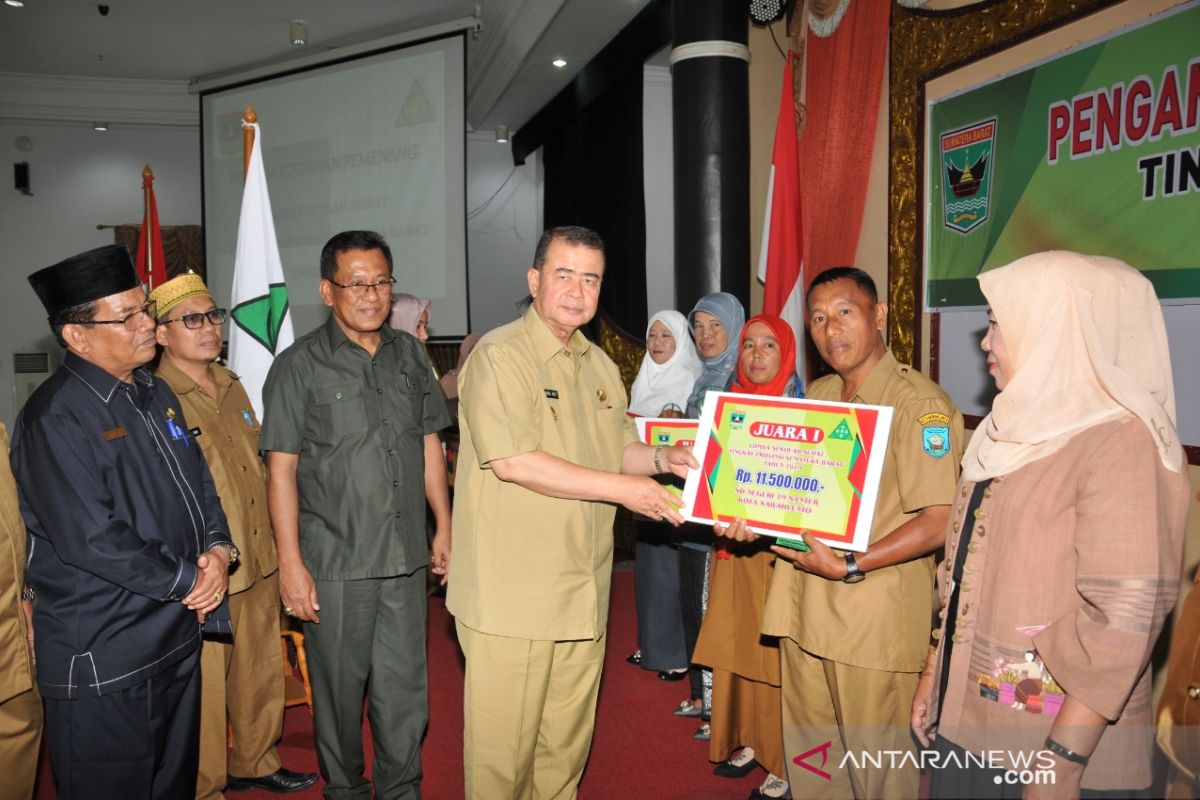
(230, 550)
(853, 573)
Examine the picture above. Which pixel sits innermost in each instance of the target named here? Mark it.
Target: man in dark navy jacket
(129, 550)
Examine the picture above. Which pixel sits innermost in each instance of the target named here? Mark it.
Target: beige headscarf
(1088, 345)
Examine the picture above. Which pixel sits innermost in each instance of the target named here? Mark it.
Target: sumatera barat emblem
(968, 167)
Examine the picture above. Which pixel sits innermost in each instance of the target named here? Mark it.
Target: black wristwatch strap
(1062, 752)
(853, 573)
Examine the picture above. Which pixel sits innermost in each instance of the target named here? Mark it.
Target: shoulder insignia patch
(936, 440)
(934, 417)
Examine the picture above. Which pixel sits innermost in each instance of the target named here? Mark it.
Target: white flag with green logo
(262, 323)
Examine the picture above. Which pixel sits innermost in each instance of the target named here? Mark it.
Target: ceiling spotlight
(15, 3)
(501, 134)
(99, 126)
(558, 62)
(298, 32)
(764, 12)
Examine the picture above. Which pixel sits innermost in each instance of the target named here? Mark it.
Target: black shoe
(634, 658)
(281, 781)
(672, 675)
(730, 769)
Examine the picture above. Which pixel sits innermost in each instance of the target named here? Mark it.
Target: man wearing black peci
(129, 549)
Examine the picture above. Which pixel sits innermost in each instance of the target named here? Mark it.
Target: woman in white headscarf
(661, 389)
(669, 368)
(1063, 552)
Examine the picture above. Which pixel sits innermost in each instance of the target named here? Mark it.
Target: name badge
(112, 434)
(551, 394)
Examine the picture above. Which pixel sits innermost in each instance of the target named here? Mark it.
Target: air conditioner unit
(29, 370)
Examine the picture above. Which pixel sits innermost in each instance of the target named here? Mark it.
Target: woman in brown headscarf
(1063, 553)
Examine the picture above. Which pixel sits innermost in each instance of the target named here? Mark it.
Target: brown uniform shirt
(527, 565)
(1072, 566)
(881, 622)
(16, 667)
(229, 437)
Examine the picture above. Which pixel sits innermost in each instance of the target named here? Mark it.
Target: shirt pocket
(610, 424)
(340, 410)
(407, 400)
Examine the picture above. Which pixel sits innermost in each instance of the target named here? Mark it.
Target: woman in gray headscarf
(716, 322)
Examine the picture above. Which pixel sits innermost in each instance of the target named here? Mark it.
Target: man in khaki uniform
(546, 454)
(243, 677)
(853, 628)
(20, 703)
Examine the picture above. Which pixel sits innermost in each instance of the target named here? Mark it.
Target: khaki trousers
(20, 740)
(529, 710)
(830, 708)
(244, 680)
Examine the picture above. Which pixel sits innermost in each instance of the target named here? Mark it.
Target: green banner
(1096, 150)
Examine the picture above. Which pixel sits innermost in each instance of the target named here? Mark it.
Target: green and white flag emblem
(262, 323)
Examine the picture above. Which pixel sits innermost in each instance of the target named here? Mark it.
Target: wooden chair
(296, 691)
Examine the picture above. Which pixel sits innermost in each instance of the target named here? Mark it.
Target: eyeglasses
(130, 322)
(194, 322)
(360, 289)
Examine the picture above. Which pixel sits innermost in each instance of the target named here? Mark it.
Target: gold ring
(288, 610)
(218, 595)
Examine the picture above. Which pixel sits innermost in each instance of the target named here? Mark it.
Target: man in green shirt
(351, 413)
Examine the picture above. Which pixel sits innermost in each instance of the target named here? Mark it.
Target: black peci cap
(88, 276)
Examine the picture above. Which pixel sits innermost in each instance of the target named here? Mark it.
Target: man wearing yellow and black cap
(128, 549)
(243, 675)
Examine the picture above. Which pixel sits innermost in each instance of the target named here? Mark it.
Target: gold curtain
(183, 246)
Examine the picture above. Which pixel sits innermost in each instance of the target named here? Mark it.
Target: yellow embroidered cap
(176, 290)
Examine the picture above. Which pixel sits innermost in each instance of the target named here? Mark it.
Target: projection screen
(376, 143)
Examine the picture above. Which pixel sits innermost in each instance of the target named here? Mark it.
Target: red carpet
(640, 751)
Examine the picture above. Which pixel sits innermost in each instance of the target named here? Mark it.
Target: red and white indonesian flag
(262, 322)
(151, 263)
(781, 253)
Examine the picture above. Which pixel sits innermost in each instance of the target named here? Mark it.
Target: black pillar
(711, 113)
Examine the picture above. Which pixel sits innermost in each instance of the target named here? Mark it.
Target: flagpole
(249, 117)
(147, 180)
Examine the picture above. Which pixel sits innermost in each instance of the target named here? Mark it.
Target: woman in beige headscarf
(410, 314)
(1063, 554)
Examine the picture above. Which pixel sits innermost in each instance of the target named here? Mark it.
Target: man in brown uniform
(853, 627)
(545, 441)
(20, 703)
(245, 675)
